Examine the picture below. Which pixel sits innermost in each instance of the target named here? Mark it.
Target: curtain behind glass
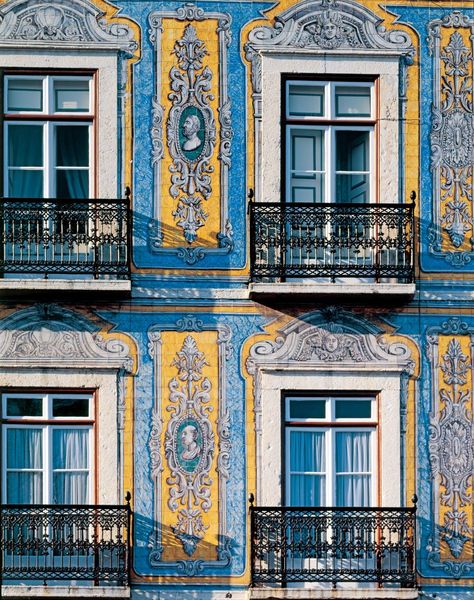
(70, 453)
(72, 150)
(353, 478)
(307, 458)
(25, 149)
(25, 456)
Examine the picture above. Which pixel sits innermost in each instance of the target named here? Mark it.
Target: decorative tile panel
(451, 44)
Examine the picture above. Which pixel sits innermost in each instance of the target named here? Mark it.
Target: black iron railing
(62, 237)
(65, 542)
(331, 241)
(333, 545)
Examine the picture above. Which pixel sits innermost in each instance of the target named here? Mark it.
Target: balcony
(68, 545)
(331, 248)
(53, 244)
(332, 546)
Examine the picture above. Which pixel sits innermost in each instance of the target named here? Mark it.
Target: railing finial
(414, 500)
(251, 499)
(128, 192)
(413, 196)
(128, 497)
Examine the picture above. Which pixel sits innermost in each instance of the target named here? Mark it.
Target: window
(47, 448)
(330, 449)
(329, 127)
(48, 136)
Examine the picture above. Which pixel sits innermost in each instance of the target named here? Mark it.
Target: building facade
(236, 299)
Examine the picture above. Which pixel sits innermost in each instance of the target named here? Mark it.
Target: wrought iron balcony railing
(63, 237)
(333, 545)
(331, 241)
(65, 542)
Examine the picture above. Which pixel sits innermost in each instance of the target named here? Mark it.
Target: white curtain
(70, 466)
(307, 457)
(353, 478)
(24, 464)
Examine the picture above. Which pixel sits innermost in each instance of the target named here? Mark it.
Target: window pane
(352, 188)
(70, 448)
(352, 101)
(70, 488)
(72, 184)
(72, 146)
(24, 488)
(307, 409)
(307, 490)
(24, 407)
(24, 448)
(353, 467)
(25, 184)
(25, 145)
(352, 150)
(70, 407)
(25, 94)
(71, 95)
(353, 409)
(307, 451)
(305, 100)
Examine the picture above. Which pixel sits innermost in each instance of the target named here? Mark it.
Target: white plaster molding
(51, 336)
(69, 23)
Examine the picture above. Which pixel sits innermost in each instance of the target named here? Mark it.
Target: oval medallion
(189, 444)
(192, 132)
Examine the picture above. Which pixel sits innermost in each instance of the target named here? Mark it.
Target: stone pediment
(50, 336)
(333, 339)
(68, 22)
(329, 25)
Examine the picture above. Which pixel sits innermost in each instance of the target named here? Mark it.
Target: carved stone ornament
(191, 133)
(451, 453)
(52, 337)
(70, 22)
(190, 445)
(325, 25)
(452, 134)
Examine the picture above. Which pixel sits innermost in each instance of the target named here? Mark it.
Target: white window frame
(49, 127)
(47, 424)
(330, 426)
(328, 124)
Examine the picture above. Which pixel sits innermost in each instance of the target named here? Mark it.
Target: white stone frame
(47, 347)
(74, 34)
(363, 47)
(355, 359)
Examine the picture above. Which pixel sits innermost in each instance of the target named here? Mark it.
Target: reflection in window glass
(25, 95)
(352, 101)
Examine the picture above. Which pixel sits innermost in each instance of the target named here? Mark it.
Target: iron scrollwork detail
(452, 132)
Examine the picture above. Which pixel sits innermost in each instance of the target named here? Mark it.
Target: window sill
(21, 287)
(348, 288)
(349, 593)
(57, 592)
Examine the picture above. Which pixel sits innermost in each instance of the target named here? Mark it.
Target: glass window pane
(70, 448)
(353, 409)
(25, 94)
(72, 146)
(352, 151)
(24, 487)
(25, 145)
(70, 407)
(71, 96)
(307, 452)
(353, 490)
(70, 488)
(25, 184)
(306, 100)
(24, 448)
(307, 490)
(353, 451)
(72, 184)
(352, 101)
(303, 408)
(353, 188)
(24, 407)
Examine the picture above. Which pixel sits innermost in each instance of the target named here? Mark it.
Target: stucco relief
(451, 450)
(50, 336)
(191, 134)
(189, 445)
(452, 132)
(75, 22)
